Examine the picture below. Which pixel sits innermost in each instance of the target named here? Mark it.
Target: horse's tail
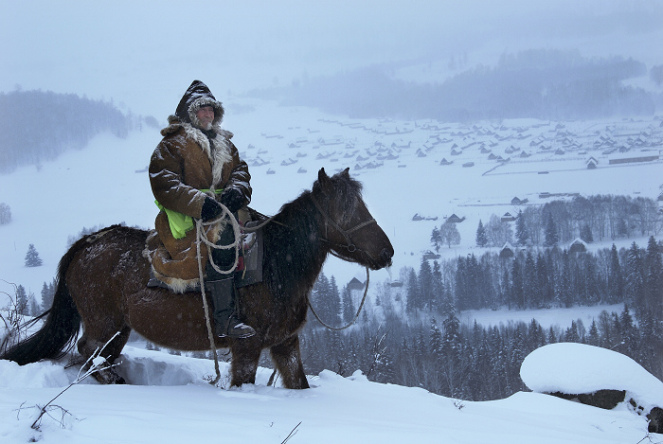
(60, 330)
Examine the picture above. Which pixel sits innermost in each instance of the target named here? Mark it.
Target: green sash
(180, 223)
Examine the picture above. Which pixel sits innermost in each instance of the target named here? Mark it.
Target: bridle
(349, 246)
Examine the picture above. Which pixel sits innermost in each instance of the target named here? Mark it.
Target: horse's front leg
(244, 364)
(288, 361)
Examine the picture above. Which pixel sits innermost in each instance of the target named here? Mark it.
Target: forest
(541, 83)
(414, 337)
(37, 126)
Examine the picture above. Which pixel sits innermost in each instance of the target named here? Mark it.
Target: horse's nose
(385, 256)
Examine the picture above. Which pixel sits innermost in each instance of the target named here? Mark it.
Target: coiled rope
(200, 239)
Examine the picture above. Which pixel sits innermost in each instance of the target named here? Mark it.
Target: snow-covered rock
(580, 369)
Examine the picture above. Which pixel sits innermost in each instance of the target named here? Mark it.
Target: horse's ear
(322, 176)
(346, 172)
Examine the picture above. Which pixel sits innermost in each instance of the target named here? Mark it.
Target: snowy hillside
(170, 402)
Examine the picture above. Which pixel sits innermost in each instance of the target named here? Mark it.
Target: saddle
(250, 261)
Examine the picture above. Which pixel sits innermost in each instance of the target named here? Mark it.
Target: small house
(507, 251)
(591, 163)
(454, 219)
(578, 246)
(355, 284)
(507, 217)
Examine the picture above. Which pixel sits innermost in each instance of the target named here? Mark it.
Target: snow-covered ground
(168, 399)
(170, 402)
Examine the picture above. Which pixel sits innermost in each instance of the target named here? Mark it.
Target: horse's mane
(293, 244)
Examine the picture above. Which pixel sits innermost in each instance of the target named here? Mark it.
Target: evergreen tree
(544, 279)
(653, 282)
(426, 286)
(586, 234)
(615, 278)
(566, 292)
(593, 337)
(32, 258)
(5, 214)
(47, 294)
(589, 281)
(634, 285)
(522, 233)
(435, 345)
(326, 300)
(334, 302)
(438, 285)
(436, 238)
(21, 300)
(349, 310)
(517, 295)
(628, 332)
(461, 285)
(551, 235)
(452, 369)
(33, 307)
(530, 283)
(414, 301)
(571, 334)
(482, 236)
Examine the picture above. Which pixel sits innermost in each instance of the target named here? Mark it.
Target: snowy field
(169, 402)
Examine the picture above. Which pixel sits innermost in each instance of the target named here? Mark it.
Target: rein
(351, 323)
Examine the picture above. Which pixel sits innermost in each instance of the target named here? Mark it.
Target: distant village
(372, 143)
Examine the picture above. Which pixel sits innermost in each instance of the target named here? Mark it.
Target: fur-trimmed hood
(195, 97)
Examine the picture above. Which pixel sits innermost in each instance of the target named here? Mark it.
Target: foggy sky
(144, 53)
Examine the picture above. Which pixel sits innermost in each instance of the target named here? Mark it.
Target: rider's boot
(222, 292)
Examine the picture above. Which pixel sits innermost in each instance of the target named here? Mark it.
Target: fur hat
(197, 96)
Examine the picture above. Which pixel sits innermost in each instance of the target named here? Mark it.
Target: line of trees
(412, 336)
(546, 84)
(468, 362)
(593, 218)
(37, 126)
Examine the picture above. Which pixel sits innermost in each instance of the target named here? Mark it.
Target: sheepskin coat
(186, 161)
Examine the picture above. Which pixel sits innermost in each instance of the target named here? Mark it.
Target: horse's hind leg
(288, 361)
(108, 348)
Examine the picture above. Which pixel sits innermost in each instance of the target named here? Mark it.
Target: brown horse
(102, 281)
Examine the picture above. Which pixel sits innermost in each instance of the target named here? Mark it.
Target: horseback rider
(194, 167)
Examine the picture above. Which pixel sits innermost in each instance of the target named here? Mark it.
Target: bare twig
(96, 364)
(292, 433)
